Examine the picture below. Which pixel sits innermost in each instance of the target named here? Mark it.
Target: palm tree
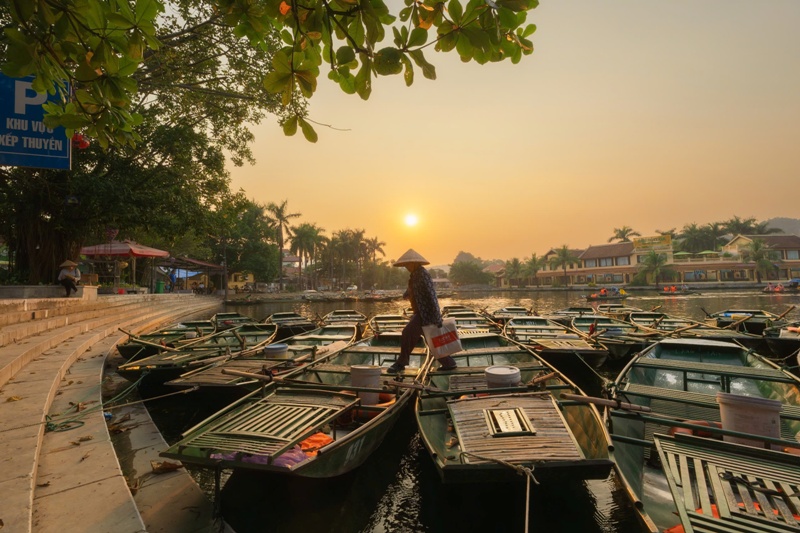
(533, 265)
(654, 263)
(693, 238)
(513, 271)
(714, 232)
(279, 218)
(563, 257)
(759, 253)
(375, 247)
(304, 242)
(762, 228)
(624, 234)
(739, 226)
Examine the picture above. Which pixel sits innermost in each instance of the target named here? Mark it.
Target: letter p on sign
(22, 90)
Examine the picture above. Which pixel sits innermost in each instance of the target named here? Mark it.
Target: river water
(398, 489)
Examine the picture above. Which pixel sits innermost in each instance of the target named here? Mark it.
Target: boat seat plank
(383, 349)
(741, 481)
(272, 425)
(552, 441)
(771, 374)
(491, 350)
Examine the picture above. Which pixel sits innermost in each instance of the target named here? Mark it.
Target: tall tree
(624, 234)
(280, 219)
(764, 258)
(654, 264)
(513, 271)
(533, 265)
(564, 257)
(305, 242)
(98, 45)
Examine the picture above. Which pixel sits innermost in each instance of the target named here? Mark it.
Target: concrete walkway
(58, 467)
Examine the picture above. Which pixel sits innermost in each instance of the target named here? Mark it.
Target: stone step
(25, 406)
(32, 338)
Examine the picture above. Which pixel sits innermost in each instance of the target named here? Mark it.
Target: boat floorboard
(753, 490)
(552, 439)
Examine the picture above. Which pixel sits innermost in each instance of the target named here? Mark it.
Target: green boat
(172, 362)
(290, 324)
(314, 422)
(477, 433)
(554, 342)
(678, 383)
(274, 359)
(140, 346)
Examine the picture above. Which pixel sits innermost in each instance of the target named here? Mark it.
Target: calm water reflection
(398, 490)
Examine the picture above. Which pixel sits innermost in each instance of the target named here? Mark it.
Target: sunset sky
(629, 112)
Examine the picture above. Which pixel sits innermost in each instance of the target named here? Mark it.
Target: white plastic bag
(442, 341)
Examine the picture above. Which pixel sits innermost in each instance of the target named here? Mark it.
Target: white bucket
(368, 376)
(748, 414)
(502, 376)
(277, 351)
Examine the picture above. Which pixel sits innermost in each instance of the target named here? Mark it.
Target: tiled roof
(778, 241)
(619, 249)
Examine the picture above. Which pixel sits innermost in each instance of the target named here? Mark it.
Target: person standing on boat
(422, 295)
(69, 276)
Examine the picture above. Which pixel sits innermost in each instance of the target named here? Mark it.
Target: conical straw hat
(68, 263)
(409, 258)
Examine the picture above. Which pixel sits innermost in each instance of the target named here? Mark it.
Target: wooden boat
(290, 324)
(622, 339)
(750, 320)
(229, 320)
(474, 433)
(446, 309)
(140, 346)
(473, 320)
(344, 316)
(171, 363)
(686, 291)
(554, 342)
(781, 342)
(274, 359)
(616, 310)
(680, 327)
(611, 296)
(565, 316)
(502, 315)
(678, 381)
(311, 423)
(387, 322)
(723, 486)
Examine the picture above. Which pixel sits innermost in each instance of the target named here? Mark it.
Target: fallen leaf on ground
(45, 484)
(164, 467)
(13, 398)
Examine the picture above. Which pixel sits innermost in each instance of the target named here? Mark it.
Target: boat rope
(526, 471)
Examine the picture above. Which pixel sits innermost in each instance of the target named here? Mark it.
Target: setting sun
(411, 219)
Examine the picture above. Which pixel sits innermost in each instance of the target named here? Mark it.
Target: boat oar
(786, 312)
(545, 377)
(685, 328)
(614, 404)
(733, 325)
(239, 373)
(134, 338)
(706, 312)
(415, 386)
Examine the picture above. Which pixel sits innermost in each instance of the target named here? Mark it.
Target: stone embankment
(58, 467)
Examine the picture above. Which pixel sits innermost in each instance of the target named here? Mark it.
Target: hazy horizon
(628, 113)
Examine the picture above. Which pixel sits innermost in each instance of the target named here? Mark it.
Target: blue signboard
(24, 139)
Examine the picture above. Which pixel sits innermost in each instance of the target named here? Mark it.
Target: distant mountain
(788, 225)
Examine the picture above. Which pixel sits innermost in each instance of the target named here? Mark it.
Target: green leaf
(345, 56)
(363, 80)
(408, 73)
(419, 36)
(428, 70)
(387, 61)
(529, 30)
(290, 126)
(456, 10)
(517, 5)
(308, 130)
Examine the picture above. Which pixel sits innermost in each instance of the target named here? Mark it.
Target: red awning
(122, 249)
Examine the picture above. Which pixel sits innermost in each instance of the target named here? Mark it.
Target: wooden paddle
(685, 328)
(134, 338)
(786, 312)
(614, 404)
(733, 325)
